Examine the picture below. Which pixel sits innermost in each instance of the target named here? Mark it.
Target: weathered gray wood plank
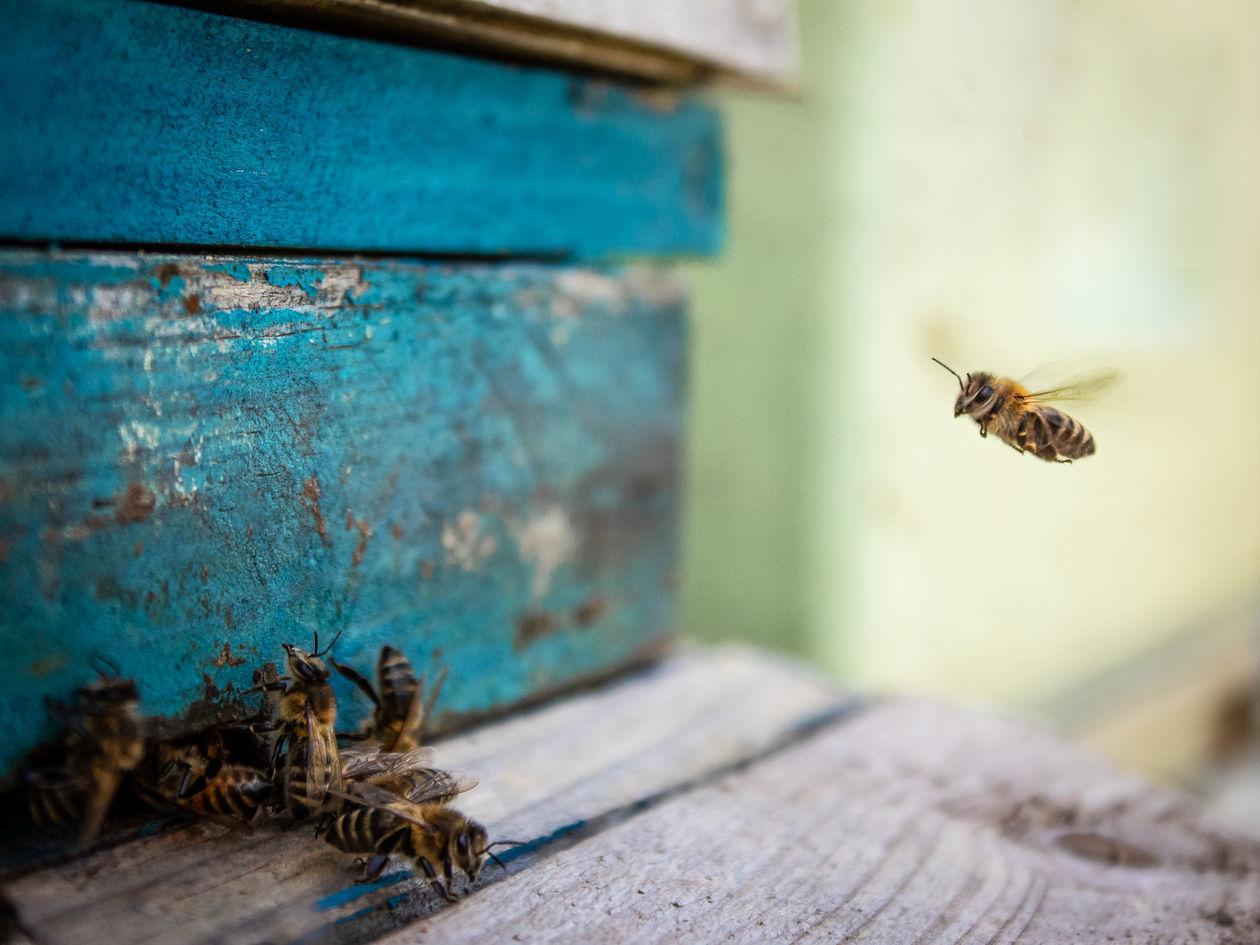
(545, 775)
(912, 823)
(722, 797)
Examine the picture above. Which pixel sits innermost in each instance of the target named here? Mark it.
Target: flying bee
(400, 705)
(1019, 417)
(307, 715)
(104, 741)
(433, 835)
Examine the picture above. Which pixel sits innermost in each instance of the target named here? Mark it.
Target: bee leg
(372, 867)
(324, 823)
(358, 679)
(443, 891)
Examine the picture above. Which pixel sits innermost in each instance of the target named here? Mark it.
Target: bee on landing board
(104, 741)
(1023, 419)
(202, 776)
(437, 838)
(307, 717)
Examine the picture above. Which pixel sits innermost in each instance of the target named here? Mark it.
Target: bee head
(305, 667)
(974, 392)
(109, 691)
(977, 395)
(468, 848)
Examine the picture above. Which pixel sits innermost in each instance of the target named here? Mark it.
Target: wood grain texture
(753, 41)
(137, 123)
(547, 777)
(909, 823)
(205, 457)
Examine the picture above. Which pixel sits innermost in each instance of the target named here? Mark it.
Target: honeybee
(104, 741)
(1020, 418)
(401, 708)
(200, 776)
(307, 717)
(426, 830)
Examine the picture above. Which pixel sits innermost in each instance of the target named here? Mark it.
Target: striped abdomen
(1051, 434)
(237, 790)
(363, 829)
(55, 799)
(397, 683)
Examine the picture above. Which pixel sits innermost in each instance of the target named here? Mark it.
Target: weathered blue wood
(202, 458)
(140, 123)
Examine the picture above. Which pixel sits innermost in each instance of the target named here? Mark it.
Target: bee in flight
(401, 707)
(1021, 417)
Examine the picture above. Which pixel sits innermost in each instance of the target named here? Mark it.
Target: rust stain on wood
(310, 499)
(587, 612)
(225, 657)
(365, 532)
(136, 506)
(534, 626)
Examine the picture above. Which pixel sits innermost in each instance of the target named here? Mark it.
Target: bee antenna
(330, 645)
(107, 663)
(502, 865)
(961, 385)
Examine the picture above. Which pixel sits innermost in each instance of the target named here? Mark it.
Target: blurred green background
(1007, 187)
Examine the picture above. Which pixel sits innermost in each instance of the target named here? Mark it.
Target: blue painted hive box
(302, 333)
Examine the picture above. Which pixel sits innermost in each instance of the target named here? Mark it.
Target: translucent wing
(420, 785)
(360, 762)
(1081, 387)
(322, 761)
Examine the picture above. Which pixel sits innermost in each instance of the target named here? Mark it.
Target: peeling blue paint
(189, 479)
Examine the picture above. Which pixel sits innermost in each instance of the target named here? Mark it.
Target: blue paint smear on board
(137, 122)
(358, 891)
(184, 488)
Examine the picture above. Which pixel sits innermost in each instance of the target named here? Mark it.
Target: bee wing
(434, 784)
(321, 750)
(364, 761)
(1081, 387)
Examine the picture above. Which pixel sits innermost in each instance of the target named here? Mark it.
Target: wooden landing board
(909, 823)
(721, 797)
(205, 457)
(144, 124)
(658, 40)
(547, 777)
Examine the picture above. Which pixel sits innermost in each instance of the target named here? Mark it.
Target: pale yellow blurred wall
(1005, 186)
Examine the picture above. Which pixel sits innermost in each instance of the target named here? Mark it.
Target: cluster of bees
(376, 796)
